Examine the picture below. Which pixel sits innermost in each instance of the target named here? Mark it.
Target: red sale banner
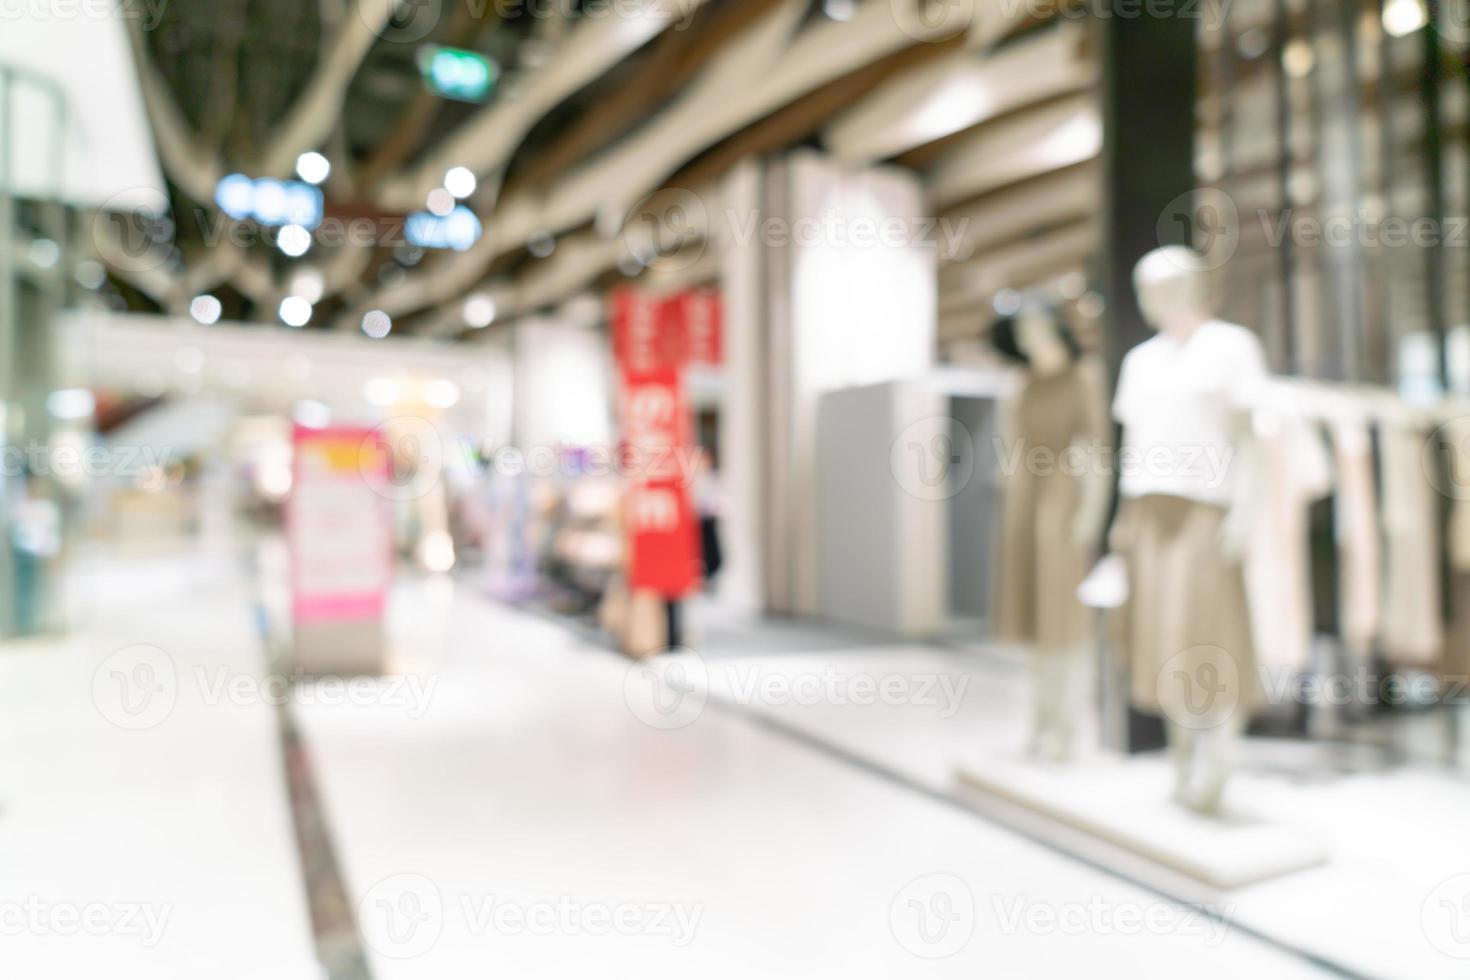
(648, 334)
(703, 315)
(653, 332)
(663, 532)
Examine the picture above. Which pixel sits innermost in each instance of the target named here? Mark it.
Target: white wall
(563, 385)
(861, 313)
(806, 314)
(108, 144)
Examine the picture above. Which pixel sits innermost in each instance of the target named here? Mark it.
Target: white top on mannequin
(1183, 393)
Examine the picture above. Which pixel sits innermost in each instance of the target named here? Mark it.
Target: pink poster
(338, 525)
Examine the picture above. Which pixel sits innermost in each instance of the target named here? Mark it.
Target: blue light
(459, 229)
(273, 203)
(235, 196)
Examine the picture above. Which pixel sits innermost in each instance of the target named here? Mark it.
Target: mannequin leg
(1204, 761)
(1041, 701)
(1181, 742)
(1055, 685)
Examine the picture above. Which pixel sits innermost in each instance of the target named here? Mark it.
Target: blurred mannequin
(1184, 399)
(1056, 505)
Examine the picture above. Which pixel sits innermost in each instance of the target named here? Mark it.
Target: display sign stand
(339, 529)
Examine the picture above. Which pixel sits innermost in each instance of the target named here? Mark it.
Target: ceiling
(600, 103)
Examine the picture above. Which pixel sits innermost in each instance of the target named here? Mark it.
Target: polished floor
(507, 803)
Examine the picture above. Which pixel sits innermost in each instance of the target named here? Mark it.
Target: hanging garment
(1456, 443)
(1187, 609)
(1293, 473)
(1359, 555)
(1413, 623)
(1058, 438)
(1455, 439)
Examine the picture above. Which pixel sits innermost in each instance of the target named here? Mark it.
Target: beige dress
(1058, 434)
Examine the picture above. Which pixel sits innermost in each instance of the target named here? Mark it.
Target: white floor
(532, 780)
(144, 829)
(510, 805)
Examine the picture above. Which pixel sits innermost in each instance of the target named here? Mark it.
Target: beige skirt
(1186, 629)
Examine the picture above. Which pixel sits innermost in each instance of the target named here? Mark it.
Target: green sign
(455, 73)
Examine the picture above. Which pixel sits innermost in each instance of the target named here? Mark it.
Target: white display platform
(1126, 803)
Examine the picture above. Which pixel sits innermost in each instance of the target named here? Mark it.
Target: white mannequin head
(1172, 285)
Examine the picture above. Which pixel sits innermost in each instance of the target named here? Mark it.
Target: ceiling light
(295, 311)
(1253, 43)
(1402, 17)
(90, 274)
(381, 392)
(541, 244)
(377, 324)
(479, 311)
(235, 196)
(313, 167)
(44, 253)
(312, 414)
(205, 309)
(71, 404)
(1298, 58)
(839, 9)
(461, 182)
(309, 285)
(294, 240)
(441, 202)
(442, 393)
(1007, 302)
